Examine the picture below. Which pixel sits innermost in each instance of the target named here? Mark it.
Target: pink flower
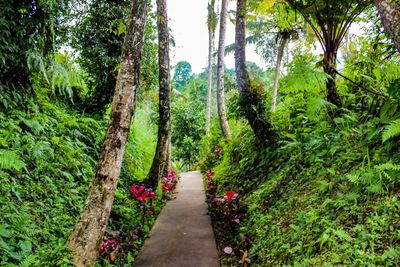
(108, 246)
(141, 194)
(237, 218)
(136, 191)
(171, 173)
(217, 150)
(210, 174)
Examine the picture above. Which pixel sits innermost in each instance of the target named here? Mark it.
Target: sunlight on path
(182, 234)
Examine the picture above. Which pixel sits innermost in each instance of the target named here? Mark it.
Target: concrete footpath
(182, 235)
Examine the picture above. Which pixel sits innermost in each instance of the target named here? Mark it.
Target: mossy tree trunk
(389, 11)
(160, 163)
(88, 232)
(221, 71)
(249, 99)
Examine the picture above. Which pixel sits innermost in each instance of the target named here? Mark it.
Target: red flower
(167, 187)
(217, 150)
(230, 195)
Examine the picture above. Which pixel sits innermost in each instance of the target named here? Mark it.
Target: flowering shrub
(211, 188)
(227, 215)
(144, 197)
(226, 205)
(169, 181)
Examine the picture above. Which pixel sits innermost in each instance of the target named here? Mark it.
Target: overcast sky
(187, 20)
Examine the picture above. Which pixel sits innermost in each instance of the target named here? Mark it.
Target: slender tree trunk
(330, 69)
(221, 71)
(249, 100)
(211, 37)
(389, 11)
(160, 159)
(87, 235)
(169, 157)
(282, 44)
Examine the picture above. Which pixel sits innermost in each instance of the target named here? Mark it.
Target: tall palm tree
(212, 25)
(221, 71)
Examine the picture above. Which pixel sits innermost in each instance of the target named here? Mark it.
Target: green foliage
(322, 197)
(183, 74)
(10, 160)
(27, 27)
(140, 149)
(392, 130)
(98, 36)
(326, 194)
(48, 157)
(188, 127)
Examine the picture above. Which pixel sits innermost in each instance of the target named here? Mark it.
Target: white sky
(187, 20)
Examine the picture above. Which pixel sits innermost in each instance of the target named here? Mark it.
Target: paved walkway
(182, 235)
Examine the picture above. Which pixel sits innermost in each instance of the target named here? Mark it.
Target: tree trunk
(249, 100)
(281, 49)
(164, 124)
(211, 37)
(330, 69)
(389, 11)
(221, 71)
(87, 235)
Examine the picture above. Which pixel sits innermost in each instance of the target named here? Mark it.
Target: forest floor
(182, 234)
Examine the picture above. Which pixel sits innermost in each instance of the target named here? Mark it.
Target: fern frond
(10, 160)
(387, 167)
(392, 130)
(29, 261)
(318, 105)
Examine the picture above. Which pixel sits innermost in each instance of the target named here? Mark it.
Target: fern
(388, 167)
(392, 130)
(30, 260)
(317, 106)
(10, 160)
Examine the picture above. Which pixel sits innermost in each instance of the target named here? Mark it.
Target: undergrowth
(47, 160)
(327, 195)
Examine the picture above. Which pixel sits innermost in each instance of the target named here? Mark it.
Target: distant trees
(89, 230)
(160, 161)
(182, 75)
